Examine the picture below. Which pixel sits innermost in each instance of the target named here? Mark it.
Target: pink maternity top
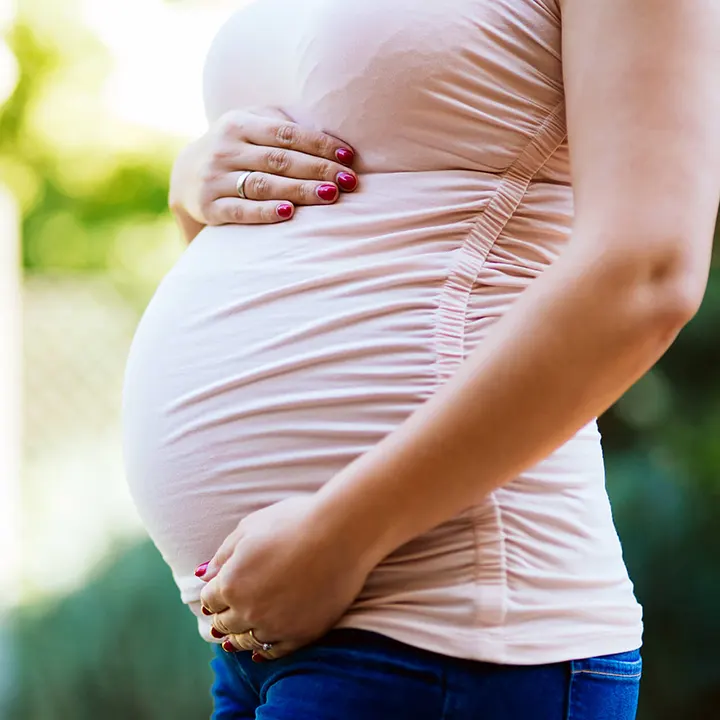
(272, 356)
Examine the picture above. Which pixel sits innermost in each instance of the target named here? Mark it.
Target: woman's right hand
(292, 166)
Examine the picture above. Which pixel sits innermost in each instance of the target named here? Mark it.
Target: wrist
(183, 170)
(189, 227)
(352, 511)
(188, 224)
(344, 529)
(175, 199)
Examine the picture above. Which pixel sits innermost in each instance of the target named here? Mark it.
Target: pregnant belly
(246, 385)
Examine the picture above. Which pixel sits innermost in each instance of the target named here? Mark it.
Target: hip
(361, 675)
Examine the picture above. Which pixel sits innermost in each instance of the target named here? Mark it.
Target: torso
(272, 356)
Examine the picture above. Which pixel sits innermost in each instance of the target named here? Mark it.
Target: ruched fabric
(272, 356)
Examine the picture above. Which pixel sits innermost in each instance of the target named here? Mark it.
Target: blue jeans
(353, 674)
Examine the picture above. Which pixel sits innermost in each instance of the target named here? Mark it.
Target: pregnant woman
(360, 426)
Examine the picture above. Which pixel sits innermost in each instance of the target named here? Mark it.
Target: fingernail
(327, 192)
(346, 181)
(345, 156)
(257, 657)
(227, 646)
(205, 611)
(284, 211)
(216, 633)
(200, 570)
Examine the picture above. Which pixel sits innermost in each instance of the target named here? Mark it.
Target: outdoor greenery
(93, 191)
(123, 646)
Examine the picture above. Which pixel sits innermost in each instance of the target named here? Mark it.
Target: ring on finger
(240, 185)
(266, 646)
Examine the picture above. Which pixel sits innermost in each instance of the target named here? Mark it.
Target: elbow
(683, 298)
(678, 282)
(663, 292)
(668, 314)
(670, 303)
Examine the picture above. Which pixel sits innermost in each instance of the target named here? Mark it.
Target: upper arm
(642, 91)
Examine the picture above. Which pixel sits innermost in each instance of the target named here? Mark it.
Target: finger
(242, 642)
(228, 622)
(211, 606)
(221, 556)
(223, 627)
(200, 570)
(234, 210)
(245, 643)
(293, 164)
(261, 187)
(286, 134)
(228, 647)
(280, 649)
(233, 644)
(213, 598)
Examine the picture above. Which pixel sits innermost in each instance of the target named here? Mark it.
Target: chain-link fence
(77, 331)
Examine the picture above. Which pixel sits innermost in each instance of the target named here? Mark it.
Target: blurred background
(96, 98)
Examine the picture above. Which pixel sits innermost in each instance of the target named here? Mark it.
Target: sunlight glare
(159, 50)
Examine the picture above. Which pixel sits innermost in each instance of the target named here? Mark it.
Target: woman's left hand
(281, 574)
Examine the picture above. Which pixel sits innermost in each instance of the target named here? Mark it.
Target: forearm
(569, 347)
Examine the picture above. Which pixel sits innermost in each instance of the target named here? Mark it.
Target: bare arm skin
(642, 100)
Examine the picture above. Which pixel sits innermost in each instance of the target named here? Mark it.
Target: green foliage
(81, 178)
(123, 647)
(671, 547)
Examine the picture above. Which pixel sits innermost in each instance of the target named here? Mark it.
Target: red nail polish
(345, 156)
(257, 657)
(227, 646)
(205, 611)
(284, 211)
(346, 181)
(216, 633)
(200, 570)
(327, 192)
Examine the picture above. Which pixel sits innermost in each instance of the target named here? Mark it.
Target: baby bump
(245, 387)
